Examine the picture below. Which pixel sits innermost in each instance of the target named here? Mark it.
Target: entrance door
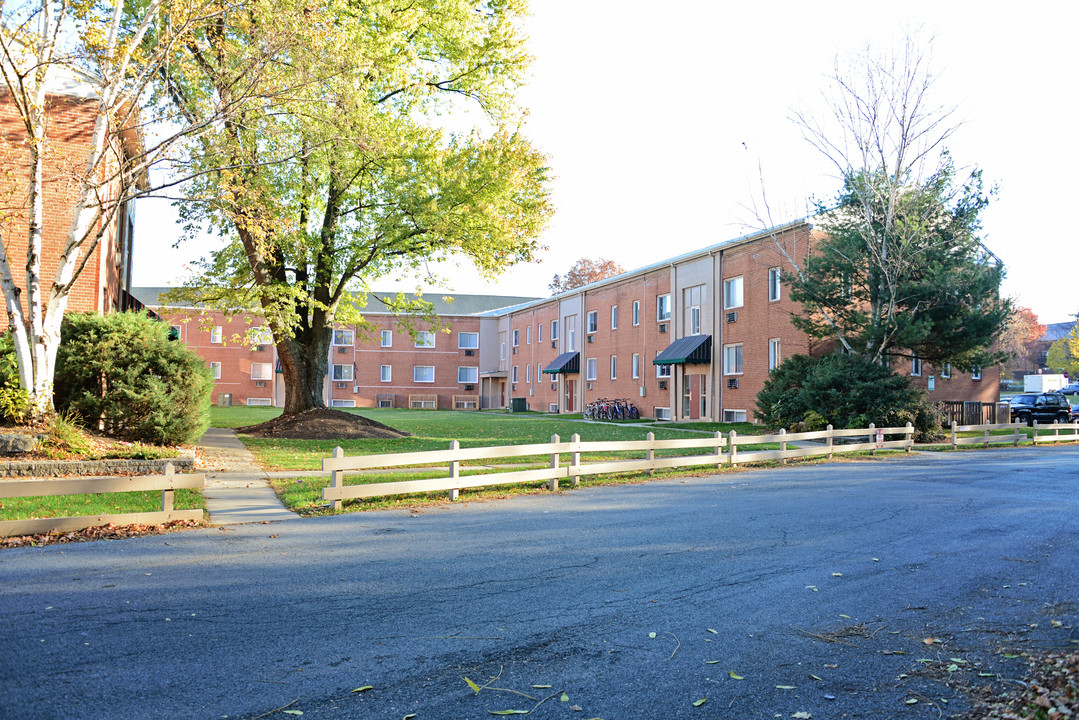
(571, 387)
(502, 394)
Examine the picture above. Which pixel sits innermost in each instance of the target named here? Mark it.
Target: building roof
(448, 304)
(1056, 331)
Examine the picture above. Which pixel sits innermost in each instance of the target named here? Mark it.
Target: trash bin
(518, 404)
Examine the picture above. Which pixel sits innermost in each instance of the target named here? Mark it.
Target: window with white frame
(342, 373)
(343, 403)
(732, 293)
(946, 370)
(773, 284)
(528, 374)
(216, 367)
(916, 366)
(663, 307)
(516, 338)
(175, 332)
(468, 340)
(554, 330)
(733, 416)
(215, 334)
(514, 375)
(262, 402)
(528, 335)
(614, 317)
(468, 374)
(261, 336)
(423, 373)
(593, 321)
(636, 311)
(570, 324)
(343, 337)
(539, 332)
(590, 369)
(502, 351)
(976, 374)
(662, 371)
(387, 338)
(636, 367)
(614, 367)
(385, 373)
(732, 359)
(773, 353)
(692, 300)
(261, 371)
(424, 339)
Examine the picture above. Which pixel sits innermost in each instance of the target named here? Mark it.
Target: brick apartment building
(690, 337)
(71, 105)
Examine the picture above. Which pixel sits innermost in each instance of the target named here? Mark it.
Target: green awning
(695, 349)
(565, 364)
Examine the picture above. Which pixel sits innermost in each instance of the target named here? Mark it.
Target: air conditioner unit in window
(260, 383)
(342, 350)
(514, 351)
(589, 386)
(662, 384)
(554, 386)
(554, 343)
(260, 348)
(732, 317)
(469, 353)
(470, 387)
(341, 385)
(355, 389)
(732, 383)
(663, 327)
(589, 338)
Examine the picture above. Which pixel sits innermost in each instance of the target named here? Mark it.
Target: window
(216, 367)
(976, 374)
(262, 402)
(539, 332)
(343, 337)
(593, 321)
(946, 370)
(174, 332)
(424, 339)
(692, 300)
(636, 365)
(733, 416)
(514, 375)
(570, 324)
(516, 338)
(261, 336)
(773, 353)
(539, 372)
(916, 366)
(528, 374)
(261, 371)
(694, 321)
(387, 338)
(502, 351)
(663, 308)
(215, 334)
(343, 403)
(614, 367)
(773, 284)
(636, 313)
(468, 340)
(662, 371)
(614, 317)
(732, 359)
(554, 329)
(385, 373)
(732, 293)
(468, 374)
(342, 373)
(423, 373)
(528, 335)
(590, 369)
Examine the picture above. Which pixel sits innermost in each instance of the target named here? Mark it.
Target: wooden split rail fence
(723, 451)
(167, 484)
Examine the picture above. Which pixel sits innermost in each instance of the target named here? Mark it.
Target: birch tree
(104, 49)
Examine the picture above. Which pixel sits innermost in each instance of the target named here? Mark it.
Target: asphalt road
(821, 584)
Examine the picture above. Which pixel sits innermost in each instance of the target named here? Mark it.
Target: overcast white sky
(655, 121)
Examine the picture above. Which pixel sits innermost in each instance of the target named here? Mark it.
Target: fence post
(553, 483)
(575, 464)
(831, 441)
(873, 438)
(1018, 436)
(1034, 437)
(455, 470)
(650, 453)
(168, 497)
(338, 479)
(985, 437)
(719, 449)
(783, 444)
(954, 443)
(732, 440)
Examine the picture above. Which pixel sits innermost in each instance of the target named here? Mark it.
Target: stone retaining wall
(91, 468)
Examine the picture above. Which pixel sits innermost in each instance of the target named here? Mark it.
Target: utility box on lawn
(1043, 383)
(518, 404)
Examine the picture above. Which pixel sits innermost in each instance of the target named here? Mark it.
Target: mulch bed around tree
(321, 424)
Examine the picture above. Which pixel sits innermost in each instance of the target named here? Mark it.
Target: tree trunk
(303, 365)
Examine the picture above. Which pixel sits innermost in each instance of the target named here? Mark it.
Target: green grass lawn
(25, 508)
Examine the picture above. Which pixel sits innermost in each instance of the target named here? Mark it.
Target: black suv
(1043, 407)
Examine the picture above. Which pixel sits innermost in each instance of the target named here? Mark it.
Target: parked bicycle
(604, 409)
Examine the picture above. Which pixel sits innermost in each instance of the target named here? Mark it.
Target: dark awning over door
(695, 349)
(565, 364)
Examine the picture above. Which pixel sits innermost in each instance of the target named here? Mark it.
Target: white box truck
(1043, 383)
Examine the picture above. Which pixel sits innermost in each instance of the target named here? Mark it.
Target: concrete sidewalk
(237, 489)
